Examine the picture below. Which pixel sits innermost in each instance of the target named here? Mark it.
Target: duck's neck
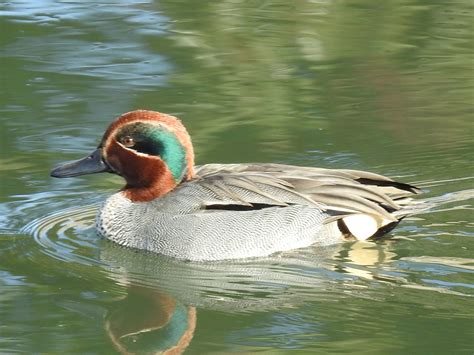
(154, 181)
(149, 193)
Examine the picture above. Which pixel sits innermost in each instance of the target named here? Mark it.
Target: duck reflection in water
(159, 318)
(148, 321)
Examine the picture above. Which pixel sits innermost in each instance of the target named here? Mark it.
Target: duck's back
(238, 210)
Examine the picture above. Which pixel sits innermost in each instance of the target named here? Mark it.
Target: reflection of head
(149, 321)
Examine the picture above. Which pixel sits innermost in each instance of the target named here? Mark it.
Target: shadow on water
(156, 307)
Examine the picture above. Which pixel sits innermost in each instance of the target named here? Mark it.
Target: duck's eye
(127, 141)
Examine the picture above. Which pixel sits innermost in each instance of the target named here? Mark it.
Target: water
(379, 86)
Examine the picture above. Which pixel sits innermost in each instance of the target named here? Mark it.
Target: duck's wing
(340, 193)
(307, 182)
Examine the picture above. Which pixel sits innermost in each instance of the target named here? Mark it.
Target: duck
(171, 206)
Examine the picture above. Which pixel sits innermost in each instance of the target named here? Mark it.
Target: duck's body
(218, 211)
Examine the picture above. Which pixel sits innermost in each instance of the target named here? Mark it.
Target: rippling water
(385, 87)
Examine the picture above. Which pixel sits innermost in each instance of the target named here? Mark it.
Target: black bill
(89, 165)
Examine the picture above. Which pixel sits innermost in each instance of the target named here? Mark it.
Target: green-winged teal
(227, 211)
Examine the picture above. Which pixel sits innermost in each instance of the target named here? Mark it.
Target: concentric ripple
(68, 235)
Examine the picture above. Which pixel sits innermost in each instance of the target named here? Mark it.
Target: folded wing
(361, 203)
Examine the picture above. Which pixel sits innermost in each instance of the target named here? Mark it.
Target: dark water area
(385, 86)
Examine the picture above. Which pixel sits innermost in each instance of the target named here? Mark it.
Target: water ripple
(67, 235)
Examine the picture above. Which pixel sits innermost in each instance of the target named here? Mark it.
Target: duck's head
(152, 151)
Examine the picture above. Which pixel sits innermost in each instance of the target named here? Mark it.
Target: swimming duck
(227, 211)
